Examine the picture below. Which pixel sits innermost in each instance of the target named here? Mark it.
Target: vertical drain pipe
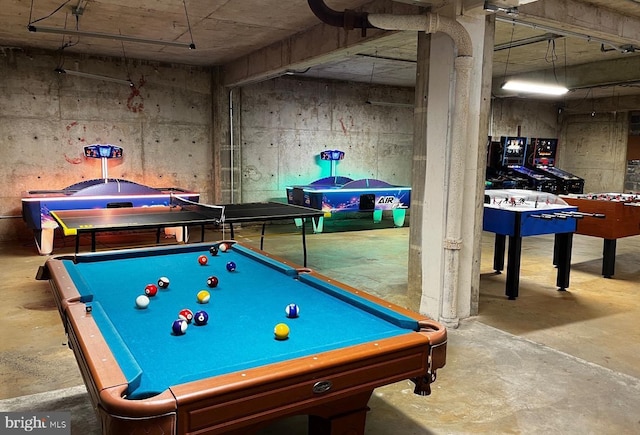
(432, 23)
(231, 144)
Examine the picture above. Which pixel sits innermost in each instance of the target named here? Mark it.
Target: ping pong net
(213, 212)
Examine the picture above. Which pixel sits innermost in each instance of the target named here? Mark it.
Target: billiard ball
(281, 331)
(163, 282)
(213, 250)
(231, 266)
(223, 247)
(150, 290)
(212, 281)
(292, 311)
(142, 302)
(203, 296)
(179, 326)
(203, 260)
(200, 318)
(186, 314)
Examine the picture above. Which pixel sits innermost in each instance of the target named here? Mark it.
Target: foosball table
(620, 218)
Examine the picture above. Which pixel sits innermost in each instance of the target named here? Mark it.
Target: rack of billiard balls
(200, 318)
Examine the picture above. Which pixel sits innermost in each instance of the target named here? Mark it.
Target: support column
(430, 246)
(419, 171)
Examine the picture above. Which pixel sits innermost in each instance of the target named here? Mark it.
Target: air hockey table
(90, 194)
(515, 214)
(343, 194)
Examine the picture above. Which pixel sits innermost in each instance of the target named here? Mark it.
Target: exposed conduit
(432, 23)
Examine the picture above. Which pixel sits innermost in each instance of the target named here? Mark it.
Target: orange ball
(203, 260)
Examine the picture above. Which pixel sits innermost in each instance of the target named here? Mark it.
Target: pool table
(232, 375)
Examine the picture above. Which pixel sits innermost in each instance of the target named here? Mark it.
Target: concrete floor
(552, 362)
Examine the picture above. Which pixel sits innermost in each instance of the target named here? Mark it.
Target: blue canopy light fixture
(333, 156)
(103, 152)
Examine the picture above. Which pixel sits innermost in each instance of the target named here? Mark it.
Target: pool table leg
(346, 416)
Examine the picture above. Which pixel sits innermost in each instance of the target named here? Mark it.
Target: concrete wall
(163, 124)
(287, 122)
(595, 148)
(532, 118)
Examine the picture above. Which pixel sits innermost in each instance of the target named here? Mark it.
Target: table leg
(304, 244)
(93, 241)
(77, 243)
(264, 224)
(513, 267)
(498, 252)
(562, 251)
(609, 258)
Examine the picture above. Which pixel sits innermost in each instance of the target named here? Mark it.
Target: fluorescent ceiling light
(388, 104)
(93, 76)
(489, 7)
(534, 88)
(56, 30)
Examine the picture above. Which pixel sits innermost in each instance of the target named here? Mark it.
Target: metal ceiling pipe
(432, 23)
(348, 19)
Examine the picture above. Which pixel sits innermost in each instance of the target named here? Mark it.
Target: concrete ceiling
(582, 43)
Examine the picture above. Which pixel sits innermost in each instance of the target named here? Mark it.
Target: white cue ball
(142, 301)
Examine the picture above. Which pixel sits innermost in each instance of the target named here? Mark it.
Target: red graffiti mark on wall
(135, 102)
(344, 128)
(77, 133)
(73, 160)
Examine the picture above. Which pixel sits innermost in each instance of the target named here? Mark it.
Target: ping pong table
(181, 214)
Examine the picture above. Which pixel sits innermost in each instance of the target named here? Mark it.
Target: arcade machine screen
(513, 159)
(542, 158)
(496, 177)
(544, 151)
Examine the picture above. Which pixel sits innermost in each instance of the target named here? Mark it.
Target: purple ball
(179, 327)
(200, 318)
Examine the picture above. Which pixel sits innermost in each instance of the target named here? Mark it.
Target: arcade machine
(513, 157)
(541, 156)
(336, 194)
(495, 177)
(98, 193)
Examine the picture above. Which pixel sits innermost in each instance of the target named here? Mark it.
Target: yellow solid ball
(203, 296)
(281, 331)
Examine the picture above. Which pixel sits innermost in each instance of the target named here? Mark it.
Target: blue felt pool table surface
(243, 310)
